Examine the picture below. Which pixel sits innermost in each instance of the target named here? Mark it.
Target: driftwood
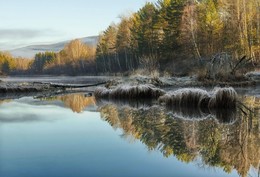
(244, 60)
(61, 93)
(41, 87)
(64, 86)
(237, 64)
(21, 89)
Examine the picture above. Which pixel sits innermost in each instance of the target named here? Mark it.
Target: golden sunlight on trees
(179, 32)
(75, 58)
(76, 50)
(9, 64)
(107, 57)
(178, 36)
(210, 26)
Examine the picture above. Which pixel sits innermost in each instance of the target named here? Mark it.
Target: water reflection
(222, 115)
(4, 101)
(206, 136)
(76, 102)
(229, 140)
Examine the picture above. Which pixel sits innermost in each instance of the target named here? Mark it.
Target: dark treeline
(173, 36)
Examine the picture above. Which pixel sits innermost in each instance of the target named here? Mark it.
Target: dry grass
(223, 98)
(198, 98)
(188, 103)
(146, 91)
(189, 97)
(200, 104)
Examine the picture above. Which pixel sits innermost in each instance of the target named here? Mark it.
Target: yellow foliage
(76, 50)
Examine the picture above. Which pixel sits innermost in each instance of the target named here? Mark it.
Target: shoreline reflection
(229, 140)
(225, 139)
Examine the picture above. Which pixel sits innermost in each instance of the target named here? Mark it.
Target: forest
(174, 37)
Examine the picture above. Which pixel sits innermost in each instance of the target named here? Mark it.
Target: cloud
(15, 38)
(9, 34)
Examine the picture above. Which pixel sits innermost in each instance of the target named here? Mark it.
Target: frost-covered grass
(187, 103)
(102, 92)
(223, 98)
(145, 91)
(198, 98)
(188, 97)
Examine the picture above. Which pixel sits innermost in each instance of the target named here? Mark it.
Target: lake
(77, 135)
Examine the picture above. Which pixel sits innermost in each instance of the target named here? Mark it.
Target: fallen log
(62, 93)
(41, 87)
(65, 86)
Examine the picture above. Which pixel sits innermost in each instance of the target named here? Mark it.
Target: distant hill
(30, 51)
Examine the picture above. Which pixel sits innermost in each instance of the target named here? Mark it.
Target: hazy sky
(25, 22)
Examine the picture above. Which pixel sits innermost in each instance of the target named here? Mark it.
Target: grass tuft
(198, 98)
(146, 91)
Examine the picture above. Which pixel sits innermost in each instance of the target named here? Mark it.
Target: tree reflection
(76, 102)
(4, 101)
(231, 146)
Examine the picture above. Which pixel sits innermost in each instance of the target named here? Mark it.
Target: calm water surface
(76, 136)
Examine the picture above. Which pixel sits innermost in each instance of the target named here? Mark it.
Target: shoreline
(31, 88)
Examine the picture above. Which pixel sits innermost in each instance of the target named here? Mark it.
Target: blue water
(49, 140)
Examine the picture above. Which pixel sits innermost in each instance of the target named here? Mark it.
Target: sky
(27, 22)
